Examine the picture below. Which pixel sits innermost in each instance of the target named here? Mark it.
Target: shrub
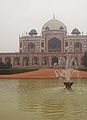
(83, 69)
(14, 71)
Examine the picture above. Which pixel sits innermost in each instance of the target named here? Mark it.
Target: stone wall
(29, 60)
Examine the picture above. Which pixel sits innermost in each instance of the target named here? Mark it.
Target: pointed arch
(35, 61)
(54, 45)
(54, 61)
(25, 61)
(7, 60)
(45, 61)
(16, 61)
(74, 61)
(77, 47)
(8, 64)
(31, 47)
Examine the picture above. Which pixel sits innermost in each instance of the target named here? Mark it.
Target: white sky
(18, 16)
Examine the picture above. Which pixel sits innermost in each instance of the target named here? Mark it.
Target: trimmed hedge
(82, 69)
(14, 71)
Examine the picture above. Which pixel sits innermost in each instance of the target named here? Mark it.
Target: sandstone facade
(49, 48)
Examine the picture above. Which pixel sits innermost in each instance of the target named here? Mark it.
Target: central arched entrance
(54, 45)
(54, 61)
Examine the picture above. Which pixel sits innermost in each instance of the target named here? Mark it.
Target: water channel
(43, 99)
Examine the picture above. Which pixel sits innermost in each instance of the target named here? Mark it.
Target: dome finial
(53, 16)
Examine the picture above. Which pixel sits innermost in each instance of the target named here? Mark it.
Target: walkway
(43, 73)
(73, 73)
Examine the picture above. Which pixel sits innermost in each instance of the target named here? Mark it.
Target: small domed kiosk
(33, 32)
(75, 31)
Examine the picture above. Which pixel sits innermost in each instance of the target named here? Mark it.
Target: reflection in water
(42, 100)
(32, 92)
(48, 99)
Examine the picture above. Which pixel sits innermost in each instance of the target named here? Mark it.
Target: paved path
(70, 72)
(44, 73)
(57, 73)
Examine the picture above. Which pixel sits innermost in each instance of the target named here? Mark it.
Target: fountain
(66, 71)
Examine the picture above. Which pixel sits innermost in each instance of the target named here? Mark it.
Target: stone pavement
(43, 73)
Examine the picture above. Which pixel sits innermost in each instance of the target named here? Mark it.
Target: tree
(84, 59)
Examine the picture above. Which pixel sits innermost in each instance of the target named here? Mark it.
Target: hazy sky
(18, 16)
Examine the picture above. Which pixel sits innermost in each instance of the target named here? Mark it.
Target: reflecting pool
(29, 99)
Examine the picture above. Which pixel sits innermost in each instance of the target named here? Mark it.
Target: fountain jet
(66, 71)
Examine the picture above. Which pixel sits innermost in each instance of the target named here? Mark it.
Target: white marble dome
(54, 24)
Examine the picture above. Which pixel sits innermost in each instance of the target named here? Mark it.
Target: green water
(25, 99)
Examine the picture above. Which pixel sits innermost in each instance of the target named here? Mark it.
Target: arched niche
(25, 61)
(77, 47)
(31, 47)
(35, 61)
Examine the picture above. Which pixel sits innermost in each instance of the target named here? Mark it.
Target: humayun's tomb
(47, 49)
